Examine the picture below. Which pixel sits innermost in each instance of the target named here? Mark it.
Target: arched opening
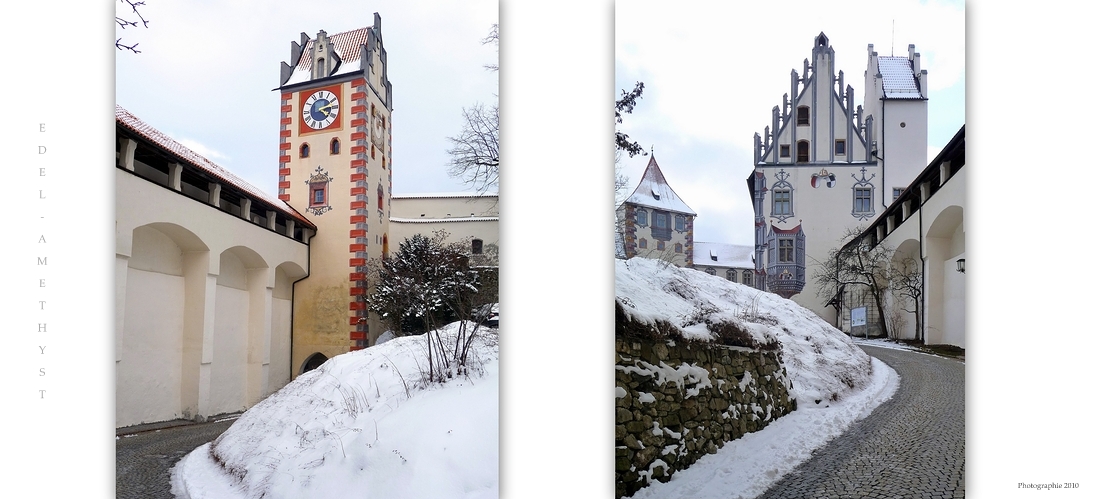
(333, 148)
(314, 361)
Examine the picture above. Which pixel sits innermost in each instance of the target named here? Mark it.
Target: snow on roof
(653, 191)
(897, 78)
(126, 119)
(726, 255)
(447, 195)
(347, 45)
(440, 220)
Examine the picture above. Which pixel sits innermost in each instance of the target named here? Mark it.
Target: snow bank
(821, 361)
(361, 425)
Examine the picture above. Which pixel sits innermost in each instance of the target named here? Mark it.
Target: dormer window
(655, 195)
(712, 255)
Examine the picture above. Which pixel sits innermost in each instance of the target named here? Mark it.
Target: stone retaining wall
(676, 403)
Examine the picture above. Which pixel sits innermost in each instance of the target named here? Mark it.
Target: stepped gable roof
(897, 78)
(130, 122)
(654, 192)
(724, 255)
(346, 44)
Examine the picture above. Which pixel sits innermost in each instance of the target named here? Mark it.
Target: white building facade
(467, 218)
(925, 227)
(204, 274)
(820, 166)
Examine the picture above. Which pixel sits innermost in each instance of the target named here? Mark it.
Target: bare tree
(906, 280)
(856, 265)
(131, 20)
(474, 157)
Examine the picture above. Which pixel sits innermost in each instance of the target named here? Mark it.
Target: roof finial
(653, 150)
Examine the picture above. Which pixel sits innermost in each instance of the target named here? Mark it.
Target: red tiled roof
(346, 45)
(127, 120)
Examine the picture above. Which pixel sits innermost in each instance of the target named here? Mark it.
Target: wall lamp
(961, 265)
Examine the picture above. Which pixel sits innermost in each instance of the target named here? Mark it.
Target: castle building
(225, 293)
(205, 266)
(469, 219)
(654, 222)
(925, 230)
(335, 165)
(826, 166)
(734, 262)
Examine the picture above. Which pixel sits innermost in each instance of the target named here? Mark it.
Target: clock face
(320, 110)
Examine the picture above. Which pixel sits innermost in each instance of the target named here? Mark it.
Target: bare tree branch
(475, 156)
(492, 38)
(129, 21)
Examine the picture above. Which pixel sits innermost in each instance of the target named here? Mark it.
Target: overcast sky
(714, 70)
(206, 72)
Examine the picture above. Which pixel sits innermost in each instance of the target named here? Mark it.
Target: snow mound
(822, 362)
(362, 425)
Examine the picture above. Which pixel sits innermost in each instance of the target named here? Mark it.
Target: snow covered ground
(362, 425)
(824, 365)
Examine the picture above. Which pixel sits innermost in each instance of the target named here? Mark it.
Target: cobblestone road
(912, 446)
(143, 460)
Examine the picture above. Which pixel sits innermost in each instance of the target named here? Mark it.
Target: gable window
(478, 246)
(304, 150)
(747, 277)
(783, 204)
(642, 217)
(802, 151)
(840, 147)
(785, 250)
(333, 148)
(802, 115)
(863, 199)
(680, 223)
(783, 150)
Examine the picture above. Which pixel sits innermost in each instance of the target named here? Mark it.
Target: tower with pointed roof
(821, 167)
(655, 222)
(335, 166)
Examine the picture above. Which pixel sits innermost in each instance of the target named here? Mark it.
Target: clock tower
(335, 167)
